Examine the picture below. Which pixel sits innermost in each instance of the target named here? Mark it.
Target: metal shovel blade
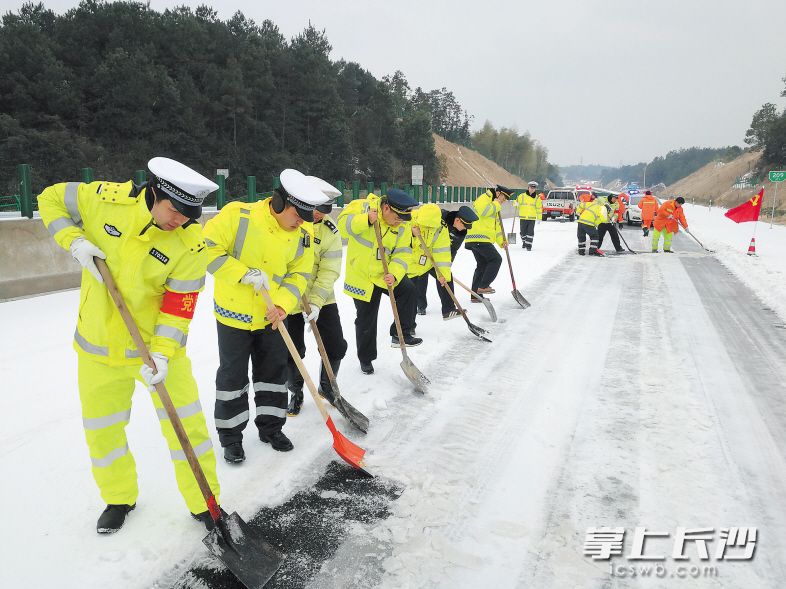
(512, 238)
(478, 331)
(251, 560)
(490, 309)
(520, 299)
(351, 414)
(415, 376)
(350, 452)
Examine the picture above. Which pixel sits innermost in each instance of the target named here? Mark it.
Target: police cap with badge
(330, 192)
(299, 191)
(185, 188)
(400, 202)
(504, 190)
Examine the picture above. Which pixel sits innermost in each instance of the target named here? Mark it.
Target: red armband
(180, 304)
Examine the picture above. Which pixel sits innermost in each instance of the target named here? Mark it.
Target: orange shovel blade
(351, 453)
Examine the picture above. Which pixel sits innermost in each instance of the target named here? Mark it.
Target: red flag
(747, 211)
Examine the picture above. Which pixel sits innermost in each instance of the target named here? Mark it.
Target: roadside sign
(777, 176)
(417, 175)
(222, 172)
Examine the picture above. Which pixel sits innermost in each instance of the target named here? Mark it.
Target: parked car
(560, 203)
(633, 212)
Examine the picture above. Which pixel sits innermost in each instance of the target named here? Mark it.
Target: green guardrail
(25, 203)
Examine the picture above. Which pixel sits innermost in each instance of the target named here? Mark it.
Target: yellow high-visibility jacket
(530, 206)
(159, 273)
(487, 228)
(591, 213)
(364, 264)
(327, 263)
(244, 236)
(437, 237)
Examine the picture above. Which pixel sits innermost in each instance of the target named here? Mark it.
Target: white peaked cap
(301, 191)
(533, 183)
(326, 187)
(179, 182)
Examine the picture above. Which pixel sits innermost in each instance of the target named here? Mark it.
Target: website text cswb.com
(729, 544)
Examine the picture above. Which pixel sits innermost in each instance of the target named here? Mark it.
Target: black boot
(295, 403)
(294, 379)
(367, 368)
(278, 440)
(233, 453)
(207, 519)
(409, 341)
(325, 389)
(113, 517)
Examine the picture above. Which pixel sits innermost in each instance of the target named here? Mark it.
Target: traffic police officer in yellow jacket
(152, 243)
(590, 215)
(486, 231)
(365, 280)
(266, 244)
(428, 221)
(322, 302)
(530, 210)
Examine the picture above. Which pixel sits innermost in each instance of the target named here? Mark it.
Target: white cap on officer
(330, 191)
(301, 192)
(185, 188)
(533, 183)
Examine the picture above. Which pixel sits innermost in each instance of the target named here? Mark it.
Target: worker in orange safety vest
(670, 216)
(649, 207)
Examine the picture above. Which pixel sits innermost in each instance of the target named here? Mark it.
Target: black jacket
(456, 236)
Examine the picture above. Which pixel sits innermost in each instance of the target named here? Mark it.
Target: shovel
(415, 376)
(619, 234)
(478, 331)
(516, 294)
(700, 243)
(344, 407)
(351, 453)
(512, 234)
(487, 303)
(252, 560)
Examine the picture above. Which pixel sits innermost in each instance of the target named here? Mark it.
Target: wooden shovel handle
(163, 394)
(321, 347)
(392, 296)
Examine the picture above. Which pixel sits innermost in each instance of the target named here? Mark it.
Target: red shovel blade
(351, 453)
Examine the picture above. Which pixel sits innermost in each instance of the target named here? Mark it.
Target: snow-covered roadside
(766, 272)
(47, 487)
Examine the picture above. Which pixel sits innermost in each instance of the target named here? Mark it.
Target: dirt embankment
(716, 181)
(466, 167)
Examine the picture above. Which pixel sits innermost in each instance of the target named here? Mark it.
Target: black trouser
(329, 325)
(582, 232)
(488, 263)
(268, 354)
(527, 232)
(367, 312)
(421, 285)
(609, 228)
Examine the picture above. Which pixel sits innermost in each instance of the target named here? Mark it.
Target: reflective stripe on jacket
(670, 216)
(648, 206)
(487, 228)
(529, 206)
(437, 237)
(591, 213)
(364, 264)
(146, 263)
(244, 236)
(327, 263)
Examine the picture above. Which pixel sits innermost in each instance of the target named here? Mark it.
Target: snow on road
(636, 391)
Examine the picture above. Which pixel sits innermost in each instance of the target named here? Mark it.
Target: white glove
(256, 278)
(309, 317)
(83, 251)
(162, 367)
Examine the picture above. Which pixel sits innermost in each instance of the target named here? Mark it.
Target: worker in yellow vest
(365, 279)
(486, 231)
(322, 302)
(529, 209)
(266, 244)
(591, 214)
(152, 242)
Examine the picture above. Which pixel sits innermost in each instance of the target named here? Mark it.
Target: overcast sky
(595, 81)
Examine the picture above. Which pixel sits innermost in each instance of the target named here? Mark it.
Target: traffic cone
(752, 247)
